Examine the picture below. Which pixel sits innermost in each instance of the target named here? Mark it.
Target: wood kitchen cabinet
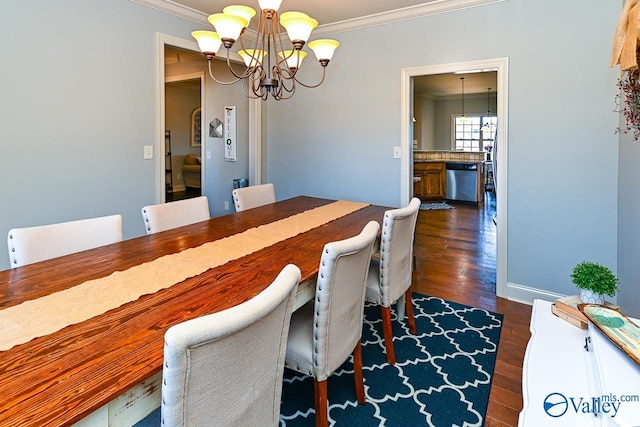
(429, 180)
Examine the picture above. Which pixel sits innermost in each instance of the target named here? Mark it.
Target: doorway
(500, 66)
(217, 194)
(183, 136)
(183, 111)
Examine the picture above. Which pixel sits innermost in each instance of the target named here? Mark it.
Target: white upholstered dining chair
(390, 275)
(226, 368)
(32, 244)
(326, 330)
(166, 216)
(251, 197)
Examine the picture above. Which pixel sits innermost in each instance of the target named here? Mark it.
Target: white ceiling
(325, 11)
(334, 11)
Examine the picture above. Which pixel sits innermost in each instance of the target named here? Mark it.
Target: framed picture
(215, 128)
(196, 127)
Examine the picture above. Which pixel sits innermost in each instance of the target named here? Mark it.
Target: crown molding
(411, 12)
(398, 15)
(176, 9)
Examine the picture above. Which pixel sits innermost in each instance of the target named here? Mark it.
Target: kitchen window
(473, 133)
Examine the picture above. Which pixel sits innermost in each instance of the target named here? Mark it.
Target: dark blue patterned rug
(442, 375)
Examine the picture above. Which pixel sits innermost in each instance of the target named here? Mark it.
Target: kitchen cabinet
(429, 180)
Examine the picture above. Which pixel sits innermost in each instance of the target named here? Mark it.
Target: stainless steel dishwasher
(462, 181)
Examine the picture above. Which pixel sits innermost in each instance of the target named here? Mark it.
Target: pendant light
(463, 119)
(487, 125)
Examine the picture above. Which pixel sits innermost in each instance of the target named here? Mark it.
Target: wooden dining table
(97, 371)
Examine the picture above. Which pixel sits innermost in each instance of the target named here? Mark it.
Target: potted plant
(594, 281)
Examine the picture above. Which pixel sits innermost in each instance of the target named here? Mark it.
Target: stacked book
(566, 308)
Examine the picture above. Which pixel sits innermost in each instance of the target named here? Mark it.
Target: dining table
(103, 364)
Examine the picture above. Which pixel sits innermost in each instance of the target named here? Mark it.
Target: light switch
(148, 152)
(396, 152)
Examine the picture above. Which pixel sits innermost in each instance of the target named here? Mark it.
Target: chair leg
(409, 309)
(320, 396)
(388, 335)
(357, 373)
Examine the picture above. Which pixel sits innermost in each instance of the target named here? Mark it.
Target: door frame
(255, 119)
(501, 65)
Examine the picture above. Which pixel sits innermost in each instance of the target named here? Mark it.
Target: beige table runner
(49, 314)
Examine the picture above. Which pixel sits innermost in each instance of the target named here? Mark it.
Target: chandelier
(272, 62)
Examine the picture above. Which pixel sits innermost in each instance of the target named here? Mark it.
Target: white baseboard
(526, 294)
(178, 187)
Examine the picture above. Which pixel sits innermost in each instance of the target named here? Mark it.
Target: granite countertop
(448, 156)
(446, 161)
(447, 151)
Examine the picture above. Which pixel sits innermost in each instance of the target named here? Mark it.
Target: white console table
(565, 385)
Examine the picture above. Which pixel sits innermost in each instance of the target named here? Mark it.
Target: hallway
(455, 253)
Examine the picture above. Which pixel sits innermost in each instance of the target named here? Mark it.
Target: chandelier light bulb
(293, 57)
(208, 41)
(298, 27)
(324, 49)
(252, 57)
(291, 14)
(270, 4)
(228, 26)
(242, 11)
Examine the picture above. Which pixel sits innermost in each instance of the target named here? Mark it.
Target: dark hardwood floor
(456, 260)
(181, 195)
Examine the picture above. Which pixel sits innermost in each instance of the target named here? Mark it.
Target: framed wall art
(196, 127)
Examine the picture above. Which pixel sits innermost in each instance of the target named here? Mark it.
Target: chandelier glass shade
(273, 60)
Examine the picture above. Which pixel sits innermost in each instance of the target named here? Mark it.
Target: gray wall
(424, 112)
(79, 102)
(563, 152)
(629, 225)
